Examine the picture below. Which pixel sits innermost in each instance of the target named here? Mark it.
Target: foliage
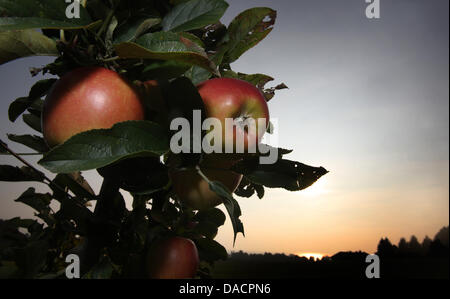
(177, 43)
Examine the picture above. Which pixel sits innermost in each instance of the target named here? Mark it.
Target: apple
(238, 100)
(88, 98)
(172, 258)
(193, 190)
(223, 98)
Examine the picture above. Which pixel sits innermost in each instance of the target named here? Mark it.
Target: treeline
(407, 259)
(436, 247)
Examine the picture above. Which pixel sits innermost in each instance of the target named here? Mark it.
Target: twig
(49, 181)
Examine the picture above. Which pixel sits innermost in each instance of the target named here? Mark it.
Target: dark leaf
(98, 148)
(259, 80)
(17, 107)
(194, 14)
(214, 215)
(72, 210)
(270, 92)
(247, 189)
(38, 201)
(210, 250)
(32, 258)
(32, 141)
(129, 31)
(103, 270)
(33, 122)
(10, 173)
(207, 229)
(165, 69)
(22, 43)
(41, 88)
(232, 206)
(286, 174)
(75, 183)
(17, 222)
(3, 147)
(183, 99)
(142, 175)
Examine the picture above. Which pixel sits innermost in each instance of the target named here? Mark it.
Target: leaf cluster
(178, 43)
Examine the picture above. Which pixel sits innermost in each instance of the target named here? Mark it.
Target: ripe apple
(172, 258)
(194, 191)
(223, 98)
(239, 100)
(88, 98)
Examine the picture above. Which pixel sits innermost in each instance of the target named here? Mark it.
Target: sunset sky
(367, 99)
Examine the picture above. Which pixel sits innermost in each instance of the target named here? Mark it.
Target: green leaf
(290, 175)
(165, 69)
(259, 80)
(194, 14)
(130, 31)
(23, 43)
(198, 74)
(232, 206)
(10, 173)
(33, 122)
(165, 46)
(32, 141)
(247, 30)
(48, 14)
(98, 148)
(193, 38)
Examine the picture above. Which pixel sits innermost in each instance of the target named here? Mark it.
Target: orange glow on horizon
(315, 255)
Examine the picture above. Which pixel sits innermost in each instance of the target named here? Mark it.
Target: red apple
(239, 100)
(173, 258)
(88, 98)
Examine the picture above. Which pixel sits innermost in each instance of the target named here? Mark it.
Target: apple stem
(199, 171)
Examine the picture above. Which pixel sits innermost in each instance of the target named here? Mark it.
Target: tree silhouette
(386, 249)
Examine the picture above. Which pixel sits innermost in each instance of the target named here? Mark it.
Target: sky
(368, 99)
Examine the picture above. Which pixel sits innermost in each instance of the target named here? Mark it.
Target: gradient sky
(368, 100)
